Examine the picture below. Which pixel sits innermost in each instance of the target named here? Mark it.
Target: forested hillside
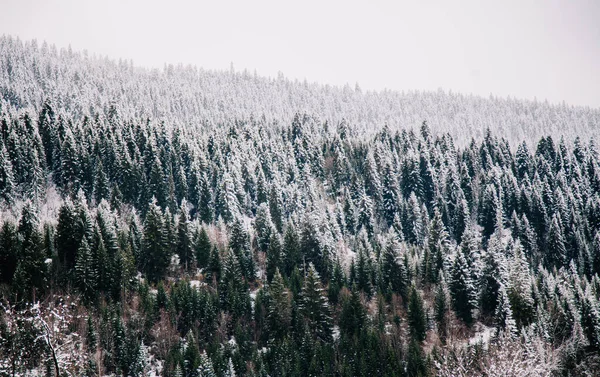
(83, 84)
(146, 229)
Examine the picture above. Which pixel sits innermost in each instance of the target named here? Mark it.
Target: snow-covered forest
(191, 223)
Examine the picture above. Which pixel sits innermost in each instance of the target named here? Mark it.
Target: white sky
(547, 49)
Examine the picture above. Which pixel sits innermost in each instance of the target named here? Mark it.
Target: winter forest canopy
(194, 223)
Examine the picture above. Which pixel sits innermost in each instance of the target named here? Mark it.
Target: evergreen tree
(441, 307)
(154, 245)
(279, 309)
(239, 243)
(291, 250)
(191, 356)
(185, 247)
(556, 255)
(7, 179)
(205, 369)
(68, 236)
(416, 315)
(503, 317)
(462, 289)
(393, 273)
(86, 275)
(314, 307)
(274, 256)
(30, 273)
(8, 251)
(437, 247)
(353, 315)
(101, 184)
(264, 227)
(202, 246)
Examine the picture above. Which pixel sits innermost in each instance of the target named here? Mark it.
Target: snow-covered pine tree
(314, 306)
(462, 288)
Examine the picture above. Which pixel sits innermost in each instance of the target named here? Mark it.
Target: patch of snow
(196, 284)
(336, 332)
(482, 336)
(253, 298)
(232, 342)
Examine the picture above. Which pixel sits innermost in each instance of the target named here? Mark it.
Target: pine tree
(30, 274)
(101, 183)
(314, 307)
(7, 179)
(239, 243)
(390, 193)
(363, 272)
(233, 288)
(416, 365)
(519, 289)
(366, 214)
(489, 210)
(154, 245)
(503, 317)
(279, 310)
(191, 356)
(416, 315)
(205, 369)
(462, 288)
(311, 246)
(441, 307)
(202, 247)
(68, 236)
(291, 250)
(8, 251)
(86, 275)
(393, 273)
(489, 283)
(556, 255)
(230, 371)
(91, 336)
(353, 315)
(263, 227)
(185, 247)
(227, 203)
(205, 203)
(274, 256)
(437, 247)
(275, 207)
(214, 264)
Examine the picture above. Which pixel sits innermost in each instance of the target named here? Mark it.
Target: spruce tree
(264, 227)
(68, 236)
(7, 179)
(503, 316)
(274, 256)
(314, 306)
(202, 246)
(462, 288)
(556, 255)
(155, 250)
(393, 273)
(86, 275)
(205, 369)
(8, 251)
(279, 309)
(239, 243)
(30, 274)
(185, 247)
(416, 315)
(353, 315)
(441, 307)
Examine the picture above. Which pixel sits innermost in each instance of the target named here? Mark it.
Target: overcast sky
(547, 49)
